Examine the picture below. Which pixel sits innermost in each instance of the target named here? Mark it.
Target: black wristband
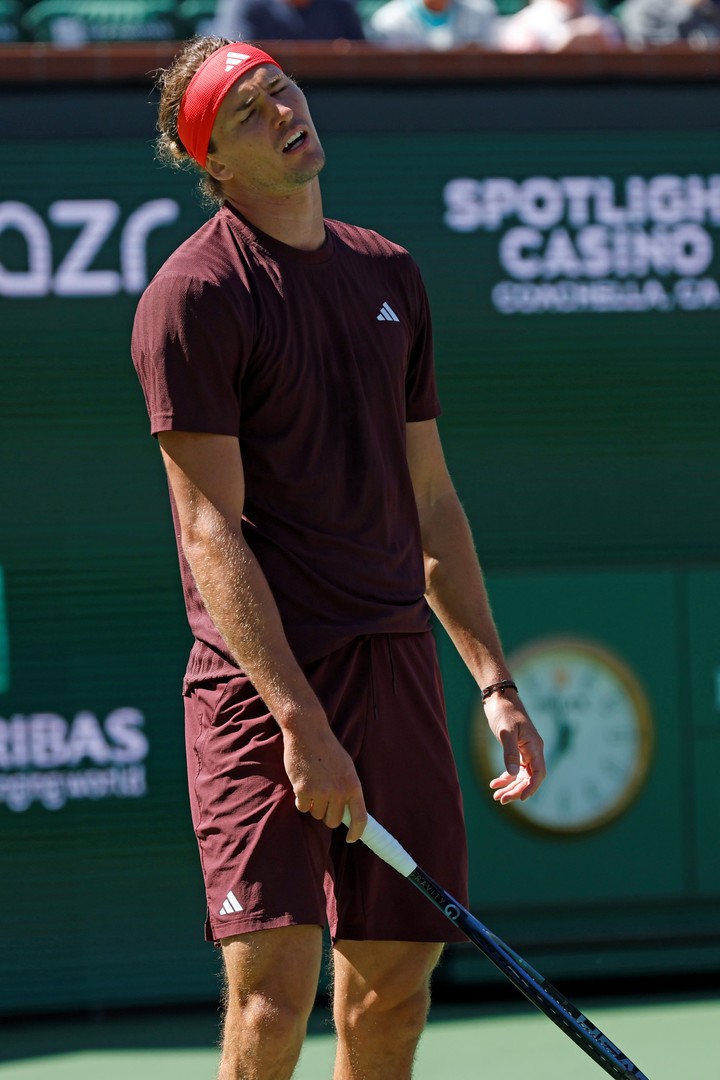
(498, 687)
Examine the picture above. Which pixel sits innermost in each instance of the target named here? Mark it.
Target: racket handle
(384, 845)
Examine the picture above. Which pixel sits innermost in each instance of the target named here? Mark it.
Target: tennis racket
(536, 988)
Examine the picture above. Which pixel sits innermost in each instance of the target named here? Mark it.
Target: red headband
(206, 90)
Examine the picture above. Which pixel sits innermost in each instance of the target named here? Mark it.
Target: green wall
(568, 237)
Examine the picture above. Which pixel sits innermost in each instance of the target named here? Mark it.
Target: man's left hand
(522, 748)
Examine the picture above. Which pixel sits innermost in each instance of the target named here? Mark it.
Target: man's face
(263, 139)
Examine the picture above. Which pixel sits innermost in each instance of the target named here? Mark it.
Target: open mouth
(294, 142)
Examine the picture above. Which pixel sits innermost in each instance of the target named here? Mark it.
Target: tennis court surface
(670, 1038)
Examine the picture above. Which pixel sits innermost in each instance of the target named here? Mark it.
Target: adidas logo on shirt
(232, 905)
(387, 314)
(234, 58)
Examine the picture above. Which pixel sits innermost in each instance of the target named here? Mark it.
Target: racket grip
(384, 845)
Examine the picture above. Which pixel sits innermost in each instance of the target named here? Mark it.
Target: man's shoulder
(365, 241)
(207, 273)
(202, 250)
(215, 255)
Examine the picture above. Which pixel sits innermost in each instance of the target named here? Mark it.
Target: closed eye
(276, 87)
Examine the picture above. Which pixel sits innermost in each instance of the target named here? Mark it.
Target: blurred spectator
(559, 26)
(10, 28)
(658, 22)
(436, 24)
(296, 20)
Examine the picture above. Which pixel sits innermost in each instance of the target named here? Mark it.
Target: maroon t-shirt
(315, 361)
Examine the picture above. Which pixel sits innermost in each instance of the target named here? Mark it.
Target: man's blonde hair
(172, 83)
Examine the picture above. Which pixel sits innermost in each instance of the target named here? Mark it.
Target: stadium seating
(505, 7)
(509, 7)
(10, 21)
(79, 22)
(197, 15)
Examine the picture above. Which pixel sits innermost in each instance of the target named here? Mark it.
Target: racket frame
(520, 973)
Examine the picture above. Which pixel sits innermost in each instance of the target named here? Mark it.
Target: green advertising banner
(575, 288)
(574, 281)
(4, 641)
(97, 844)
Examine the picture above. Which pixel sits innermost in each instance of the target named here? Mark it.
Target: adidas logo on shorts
(232, 905)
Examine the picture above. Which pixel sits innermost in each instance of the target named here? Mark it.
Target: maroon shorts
(267, 865)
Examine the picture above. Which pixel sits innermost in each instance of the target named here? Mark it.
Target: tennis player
(287, 365)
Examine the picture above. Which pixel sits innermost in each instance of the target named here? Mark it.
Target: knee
(382, 991)
(402, 1013)
(273, 1021)
(261, 1038)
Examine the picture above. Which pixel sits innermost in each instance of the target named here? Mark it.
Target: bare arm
(456, 592)
(207, 481)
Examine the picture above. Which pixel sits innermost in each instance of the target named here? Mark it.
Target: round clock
(595, 721)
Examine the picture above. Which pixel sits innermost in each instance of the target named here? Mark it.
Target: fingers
(524, 767)
(331, 811)
(321, 809)
(358, 818)
(534, 764)
(508, 787)
(323, 779)
(519, 781)
(303, 802)
(524, 761)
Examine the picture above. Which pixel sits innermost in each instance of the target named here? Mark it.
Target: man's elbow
(207, 536)
(432, 572)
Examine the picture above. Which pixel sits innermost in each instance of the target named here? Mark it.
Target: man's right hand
(324, 779)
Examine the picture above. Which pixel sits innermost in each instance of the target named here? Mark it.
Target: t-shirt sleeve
(421, 396)
(189, 348)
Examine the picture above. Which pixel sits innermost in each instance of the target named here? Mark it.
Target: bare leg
(271, 979)
(380, 1002)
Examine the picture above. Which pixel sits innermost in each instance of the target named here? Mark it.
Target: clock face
(594, 719)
